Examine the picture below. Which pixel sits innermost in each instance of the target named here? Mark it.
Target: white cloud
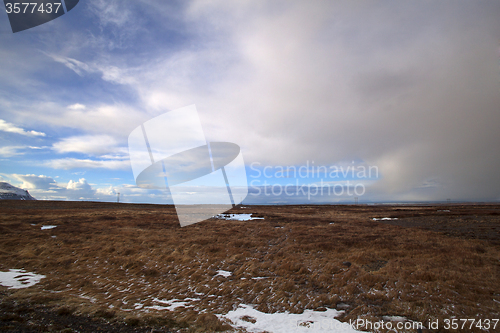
(46, 188)
(80, 185)
(73, 163)
(40, 182)
(8, 127)
(122, 22)
(108, 191)
(108, 72)
(78, 67)
(9, 151)
(87, 144)
(116, 74)
(116, 120)
(77, 106)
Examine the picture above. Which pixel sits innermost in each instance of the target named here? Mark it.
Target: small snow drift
(19, 278)
(245, 316)
(172, 304)
(223, 273)
(47, 227)
(384, 218)
(9, 192)
(237, 217)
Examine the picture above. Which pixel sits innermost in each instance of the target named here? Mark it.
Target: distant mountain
(9, 192)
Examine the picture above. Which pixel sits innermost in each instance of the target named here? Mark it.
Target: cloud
(40, 182)
(77, 106)
(87, 144)
(111, 13)
(331, 82)
(107, 191)
(117, 120)
(75, 163)
(9, 151)
(108, 72)
(119, 21)
(8, 127)
(114, 119)
(46, 188)
(76, 66)
(407, 87)
(81, 184)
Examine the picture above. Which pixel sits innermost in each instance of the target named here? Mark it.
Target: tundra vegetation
(134, 267)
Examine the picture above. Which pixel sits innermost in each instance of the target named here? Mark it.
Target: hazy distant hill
(9, 192)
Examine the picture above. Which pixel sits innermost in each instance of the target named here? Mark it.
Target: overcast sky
(409, 87)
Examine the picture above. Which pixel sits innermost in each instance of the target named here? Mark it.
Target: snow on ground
(172, 304)
(8, 191)
(46, 227)
(385, 218)
(19, 278)
(7, 188)
(238, 217)
(245, 316)
(223, 273)
(91, 299)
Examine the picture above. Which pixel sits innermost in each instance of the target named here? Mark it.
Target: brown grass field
(109, 262)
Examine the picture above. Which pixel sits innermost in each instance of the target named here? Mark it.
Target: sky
(397, 101)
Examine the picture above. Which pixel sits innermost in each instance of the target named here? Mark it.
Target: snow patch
(237, 217)
(46, 227)
(224, 273)
(171, 304)
(19, 278)
(245, 316)
(385, 218)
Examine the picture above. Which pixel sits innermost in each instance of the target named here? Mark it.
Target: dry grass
(116, 261)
